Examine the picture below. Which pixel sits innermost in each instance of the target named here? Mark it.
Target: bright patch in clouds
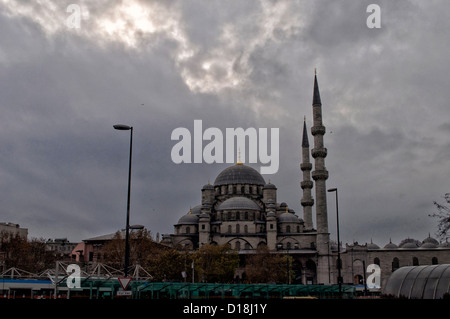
(142, 25)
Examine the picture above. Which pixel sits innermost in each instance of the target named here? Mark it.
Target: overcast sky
(159, 65)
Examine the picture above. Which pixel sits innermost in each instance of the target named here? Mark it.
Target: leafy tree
(264, 267)
(216, 263)
(443, 215)
(166, 264)
(141, 246)
(31, 256)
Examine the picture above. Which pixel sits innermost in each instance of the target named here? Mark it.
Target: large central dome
(239, 174)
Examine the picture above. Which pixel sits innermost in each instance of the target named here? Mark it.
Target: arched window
(376, 261)
(238, 245)
(415, 261)
(395, 264)
(288, 229)
(288, 245)
(188, 230)
(434, 261)
(238, 229)
(229, 229)
(246, 215)
(358, 280)
(245, 229)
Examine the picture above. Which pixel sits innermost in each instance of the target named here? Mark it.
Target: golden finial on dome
(239, 158)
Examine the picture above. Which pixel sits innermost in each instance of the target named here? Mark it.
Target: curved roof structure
(239, 174)
(288, 218)
(419, 282)
(238, 203)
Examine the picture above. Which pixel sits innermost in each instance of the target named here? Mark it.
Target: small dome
(409, 243)
(372, 246)
(238, 203)
(390, 245)
(288, 218)
(269, 185)
(208, 186)
(429, 242)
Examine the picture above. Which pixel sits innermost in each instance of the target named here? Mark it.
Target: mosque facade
(241, 209)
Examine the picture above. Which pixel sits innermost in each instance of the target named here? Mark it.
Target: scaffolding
(100, 281)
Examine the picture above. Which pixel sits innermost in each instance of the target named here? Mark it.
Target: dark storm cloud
(231, 64)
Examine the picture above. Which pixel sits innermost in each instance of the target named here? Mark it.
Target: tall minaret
(306, 185)
(320, 175)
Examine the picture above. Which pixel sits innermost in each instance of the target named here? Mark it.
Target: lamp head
(122, 127)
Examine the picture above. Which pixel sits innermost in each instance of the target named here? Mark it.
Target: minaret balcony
(318, 130)
(319, 152)
(306, 184)
(319, 175)
(307, 202)
(306, 166)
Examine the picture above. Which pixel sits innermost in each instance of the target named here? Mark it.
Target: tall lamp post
(339, 265)
(122, 127)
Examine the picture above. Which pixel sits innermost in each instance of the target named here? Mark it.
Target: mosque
(241, 209)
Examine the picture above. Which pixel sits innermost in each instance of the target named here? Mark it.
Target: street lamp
(338, 244)
(122, 127)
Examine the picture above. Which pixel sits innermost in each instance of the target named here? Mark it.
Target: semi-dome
(239, 174)
(188, 219)
(288, 218)
(191, 217)
(238, 203)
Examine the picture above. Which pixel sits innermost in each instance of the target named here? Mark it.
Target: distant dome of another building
(429, 242)
(372, 246)
(239, 174)
(390, 245)
(409, 243)
(238, 203)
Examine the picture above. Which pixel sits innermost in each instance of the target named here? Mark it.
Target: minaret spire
(316, 93)
(306, 185)
(320, 175)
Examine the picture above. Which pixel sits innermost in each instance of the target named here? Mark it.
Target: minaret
(320, 175)
(306, 185)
